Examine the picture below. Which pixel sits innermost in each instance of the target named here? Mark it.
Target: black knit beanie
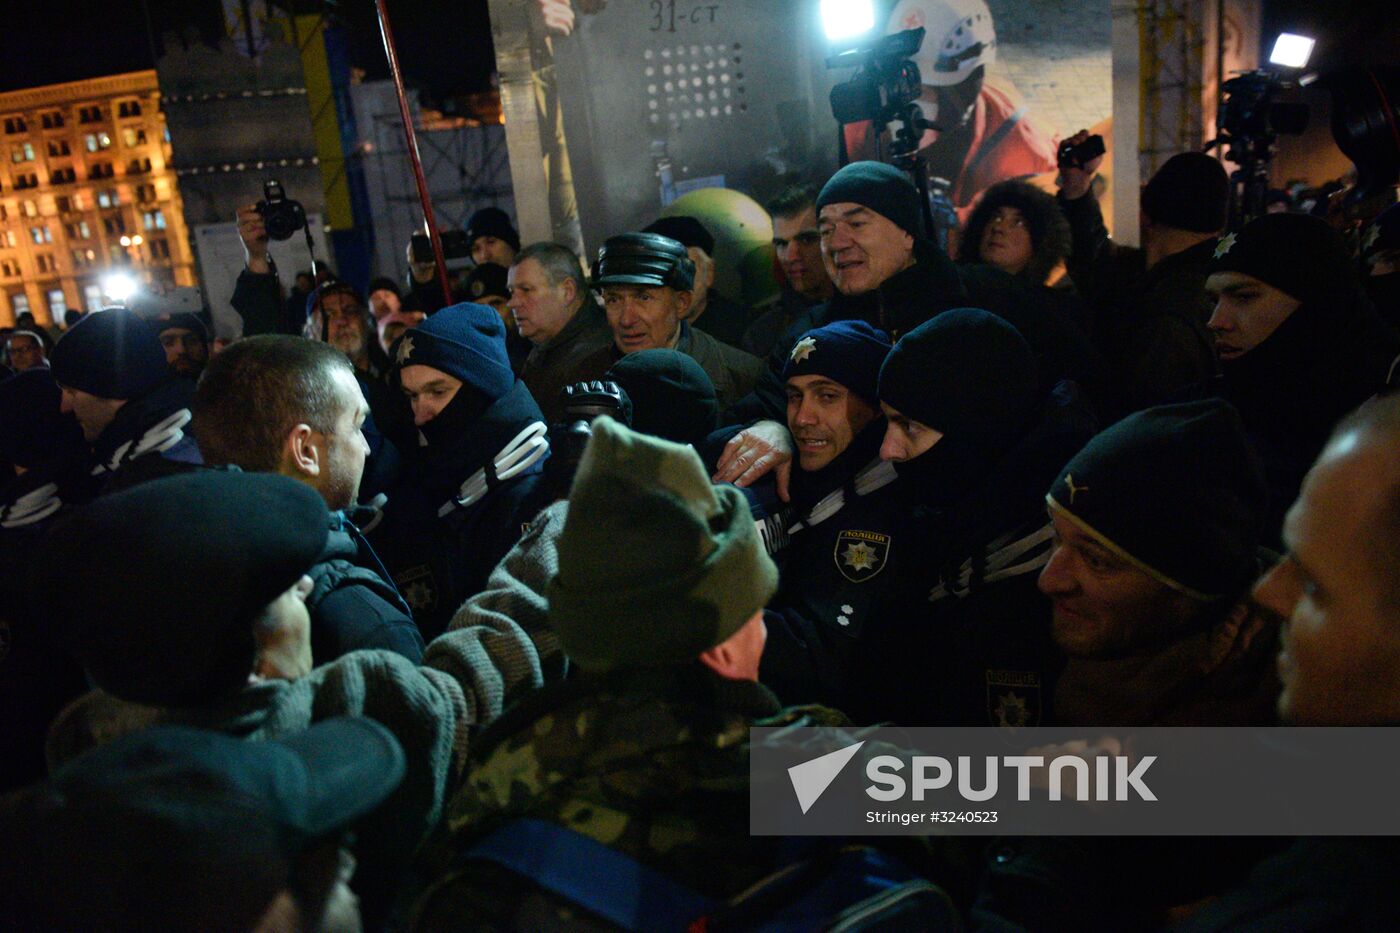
(113, 354)
(156, 588)
(687, 231)
(967, 374)
(1189, 192)
(1177, 491)
(184, 319)
(492, 221)
(883, 188)
(672, 397)
(1300, 255)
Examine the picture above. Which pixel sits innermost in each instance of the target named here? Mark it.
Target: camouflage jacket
(654, 764)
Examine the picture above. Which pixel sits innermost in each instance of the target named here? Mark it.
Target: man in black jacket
(975, 443)
(280, 404)
(1299, 344)
(1148, 306)
(133, 412)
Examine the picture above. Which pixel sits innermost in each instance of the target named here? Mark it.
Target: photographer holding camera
(1148, 306)
(257, 296)
(336, 315)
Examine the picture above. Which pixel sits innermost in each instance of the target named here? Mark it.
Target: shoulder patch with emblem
(1013, 698)
(418, 588)
(860, 555)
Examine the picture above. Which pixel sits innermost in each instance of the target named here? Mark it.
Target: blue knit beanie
(848, 352)
(113, 354)
(467, 341)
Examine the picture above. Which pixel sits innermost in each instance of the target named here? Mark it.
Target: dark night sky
(443, 45)
(446, 44)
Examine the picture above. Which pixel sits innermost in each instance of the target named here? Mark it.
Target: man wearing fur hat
(461, 504)
(658, 602)
(115, 381)
(184, 600)
(1299, 344)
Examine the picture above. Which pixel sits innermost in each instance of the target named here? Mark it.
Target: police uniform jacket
(437, 561)
(837, 576)
(971, 642)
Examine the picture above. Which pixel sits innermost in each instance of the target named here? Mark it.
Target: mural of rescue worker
(985, 134)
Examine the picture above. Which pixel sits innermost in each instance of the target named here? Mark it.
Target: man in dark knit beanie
(848, 537)
(1299, 343)
(185, 339)
(183, 598)
(491, 237)
(112, 370)
(889, 275)
(460, 506)
(974, 441)
(1157, 524)
(1149, 305)
(709, 310)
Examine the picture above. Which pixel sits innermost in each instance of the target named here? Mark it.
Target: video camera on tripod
(885, 90)
(1251, 121)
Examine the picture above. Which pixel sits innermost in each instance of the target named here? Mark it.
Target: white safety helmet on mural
(960, 36)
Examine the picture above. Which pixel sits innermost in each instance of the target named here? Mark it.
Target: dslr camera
(282, 216)
(583, 402)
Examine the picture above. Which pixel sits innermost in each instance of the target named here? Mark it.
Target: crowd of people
(427, 615)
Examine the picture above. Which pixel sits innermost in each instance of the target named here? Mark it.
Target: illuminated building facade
(86, 188)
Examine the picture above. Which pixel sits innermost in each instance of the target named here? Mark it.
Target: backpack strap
(585, 872)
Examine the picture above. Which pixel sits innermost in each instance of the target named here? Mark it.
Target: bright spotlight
(118, 287)
(847, 19)
(125, 241)
(1292, 51)
(137, 240)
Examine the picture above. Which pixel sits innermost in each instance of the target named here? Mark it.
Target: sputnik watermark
(1074, 782)
(933, 773)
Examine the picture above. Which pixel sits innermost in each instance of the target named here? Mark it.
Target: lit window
(92, 295)
(57, 303)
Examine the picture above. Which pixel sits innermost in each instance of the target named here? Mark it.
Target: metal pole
(411, 137)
